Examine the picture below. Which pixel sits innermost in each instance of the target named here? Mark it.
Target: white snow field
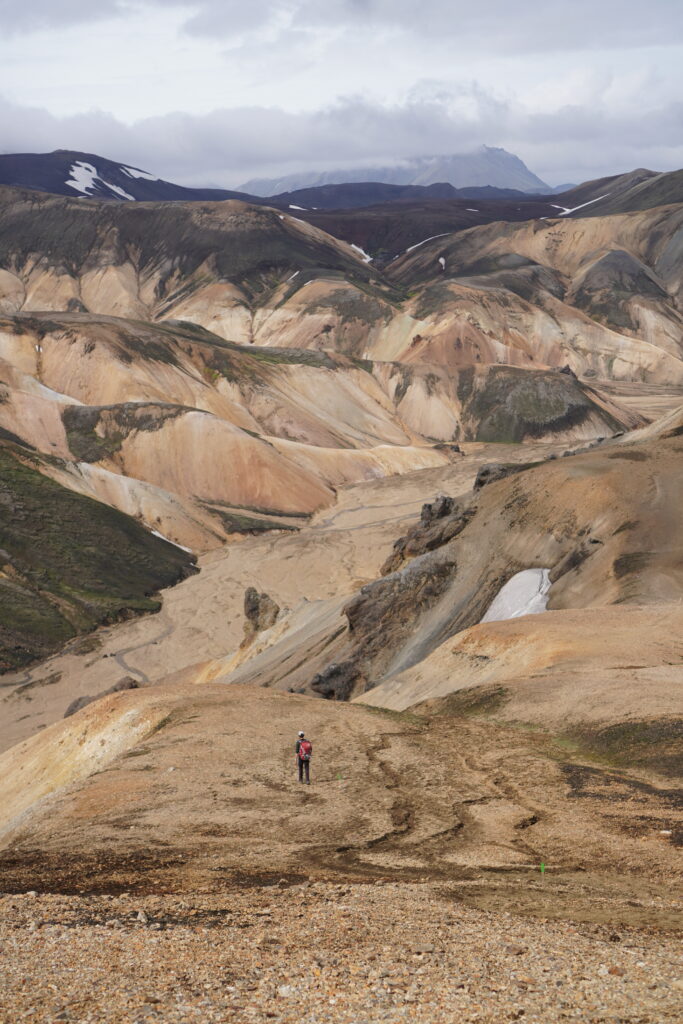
(82, 178)
(525, 594)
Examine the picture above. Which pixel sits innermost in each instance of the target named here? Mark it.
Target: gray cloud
(495, 26)
(34, 15)
(227, 146)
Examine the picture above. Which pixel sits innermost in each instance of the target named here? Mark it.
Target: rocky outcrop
(440, 521)
(493, 471)
(260, 612)
(380, 617)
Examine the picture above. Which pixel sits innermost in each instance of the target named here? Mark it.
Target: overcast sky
(212, 92)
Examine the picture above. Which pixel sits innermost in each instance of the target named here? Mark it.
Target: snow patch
(292, 207)
(424, 241)
(119, 191)
(471, 210)
(84, 179)
(173, 542)
(134, 172)
(362, 253)
(442, 263)
(525, 594)
(570, 209)
(292, 277)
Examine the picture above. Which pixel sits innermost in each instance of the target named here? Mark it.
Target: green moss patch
(69, 563)
(473, 700)
(651, 744)
(508, 404)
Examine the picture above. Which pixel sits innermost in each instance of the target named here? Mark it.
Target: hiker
(304, 752)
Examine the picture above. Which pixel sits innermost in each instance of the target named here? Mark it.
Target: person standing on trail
(304, 752)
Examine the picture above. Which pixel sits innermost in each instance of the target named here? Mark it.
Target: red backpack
(305, 750)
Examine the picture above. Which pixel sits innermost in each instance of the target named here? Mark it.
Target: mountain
(70, 173)
(389, 229)
(623, 193)
(356, 195)
(215, 369)
(485, 166)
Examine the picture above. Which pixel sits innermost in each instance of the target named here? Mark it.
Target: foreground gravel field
(322, 952)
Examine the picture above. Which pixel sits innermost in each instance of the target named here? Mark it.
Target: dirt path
(121, 655)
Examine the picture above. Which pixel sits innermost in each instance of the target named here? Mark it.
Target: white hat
(301, 733)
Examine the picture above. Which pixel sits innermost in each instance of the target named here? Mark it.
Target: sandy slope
(108, 783)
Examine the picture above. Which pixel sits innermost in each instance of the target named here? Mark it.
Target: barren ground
(422, 838)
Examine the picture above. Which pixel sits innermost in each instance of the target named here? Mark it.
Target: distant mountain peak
(488, 165)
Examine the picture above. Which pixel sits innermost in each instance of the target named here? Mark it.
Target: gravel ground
(322, 953)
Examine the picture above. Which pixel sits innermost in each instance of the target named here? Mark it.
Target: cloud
(495, 26)
(227, 146)
(35, 15)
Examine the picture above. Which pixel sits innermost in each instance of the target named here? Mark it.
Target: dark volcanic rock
(260, 611)
(437, 509)
(493, 471)
(381, 617)
(440, 521)
(338, 681)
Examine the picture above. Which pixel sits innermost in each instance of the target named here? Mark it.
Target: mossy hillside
(70, 563)
(249, 364)
(508, 404)
(31, 626)
(87, 443)
(649, 744)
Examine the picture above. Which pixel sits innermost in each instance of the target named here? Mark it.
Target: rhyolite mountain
(214, 368)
